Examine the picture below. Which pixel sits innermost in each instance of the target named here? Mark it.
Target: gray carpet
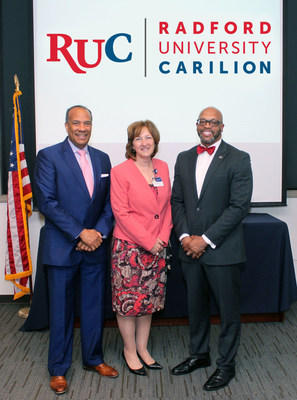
(266, 364)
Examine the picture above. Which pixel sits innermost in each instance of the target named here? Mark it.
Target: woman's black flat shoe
(155, 365)
(139, 371)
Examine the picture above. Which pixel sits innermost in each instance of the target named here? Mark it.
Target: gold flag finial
(17, 83)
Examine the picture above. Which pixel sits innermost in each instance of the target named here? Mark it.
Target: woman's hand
(158, 247)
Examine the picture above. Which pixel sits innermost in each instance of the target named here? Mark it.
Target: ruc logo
(80, 62)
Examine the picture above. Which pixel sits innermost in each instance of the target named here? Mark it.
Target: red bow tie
(201, 149)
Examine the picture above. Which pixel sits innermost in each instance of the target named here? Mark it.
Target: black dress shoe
(155, 365)
(139, 371)
(190, 364)
(219, 379)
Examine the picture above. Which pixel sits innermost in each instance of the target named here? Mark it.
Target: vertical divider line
(145, 47)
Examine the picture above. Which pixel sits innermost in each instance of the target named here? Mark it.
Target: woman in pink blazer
(140, 200)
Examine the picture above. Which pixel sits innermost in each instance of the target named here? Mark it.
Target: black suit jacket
(223, 203)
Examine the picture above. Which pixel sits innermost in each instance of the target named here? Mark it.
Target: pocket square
(104, 175)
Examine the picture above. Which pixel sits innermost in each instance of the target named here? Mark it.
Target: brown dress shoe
(104, 370)
(59, 384)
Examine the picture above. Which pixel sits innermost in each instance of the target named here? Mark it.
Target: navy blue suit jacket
(64, 200)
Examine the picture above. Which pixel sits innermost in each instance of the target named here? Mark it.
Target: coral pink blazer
(140, 217)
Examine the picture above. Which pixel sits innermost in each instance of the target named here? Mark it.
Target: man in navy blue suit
(76, 224)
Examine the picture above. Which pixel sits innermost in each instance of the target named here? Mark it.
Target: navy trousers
(62, 288)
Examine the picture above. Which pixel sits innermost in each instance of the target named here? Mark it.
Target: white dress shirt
(203, 162)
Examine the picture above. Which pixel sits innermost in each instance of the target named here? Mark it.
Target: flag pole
(24, 312)
(17, 83)
(17, 89)
(18, 264)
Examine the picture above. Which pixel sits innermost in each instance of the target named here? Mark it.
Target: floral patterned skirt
(138, 279)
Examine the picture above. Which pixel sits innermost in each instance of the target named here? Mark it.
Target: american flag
(18, 264)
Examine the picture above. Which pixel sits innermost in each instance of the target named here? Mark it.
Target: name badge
(157, 181)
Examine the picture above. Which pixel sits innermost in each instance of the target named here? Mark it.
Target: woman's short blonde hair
(134, 130)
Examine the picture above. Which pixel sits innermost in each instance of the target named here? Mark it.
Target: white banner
(164, 60)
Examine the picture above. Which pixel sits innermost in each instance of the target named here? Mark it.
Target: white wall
(287, 214)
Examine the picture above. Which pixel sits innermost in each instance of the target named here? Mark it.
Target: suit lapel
(96, 164)
(220, 155)
(192, 161)
(141, 181)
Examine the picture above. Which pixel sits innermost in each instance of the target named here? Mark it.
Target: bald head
(212, 111)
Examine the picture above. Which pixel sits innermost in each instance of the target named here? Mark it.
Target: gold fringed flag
(18, 264)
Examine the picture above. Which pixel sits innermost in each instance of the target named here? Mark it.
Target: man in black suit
(210, 197)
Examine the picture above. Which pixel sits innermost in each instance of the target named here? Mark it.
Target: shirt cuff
(213, 246)
(183, 236)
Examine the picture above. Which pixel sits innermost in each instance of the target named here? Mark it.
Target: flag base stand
(24, 312)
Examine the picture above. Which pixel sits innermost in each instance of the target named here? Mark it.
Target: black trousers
(223, 282)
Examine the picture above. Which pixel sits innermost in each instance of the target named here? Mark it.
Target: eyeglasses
(212, 122)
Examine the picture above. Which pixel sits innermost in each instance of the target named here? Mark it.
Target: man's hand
(185, 243)
(81, 246)
(194, 246)
(90, 240)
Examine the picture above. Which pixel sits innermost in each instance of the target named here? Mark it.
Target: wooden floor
(266, 364)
